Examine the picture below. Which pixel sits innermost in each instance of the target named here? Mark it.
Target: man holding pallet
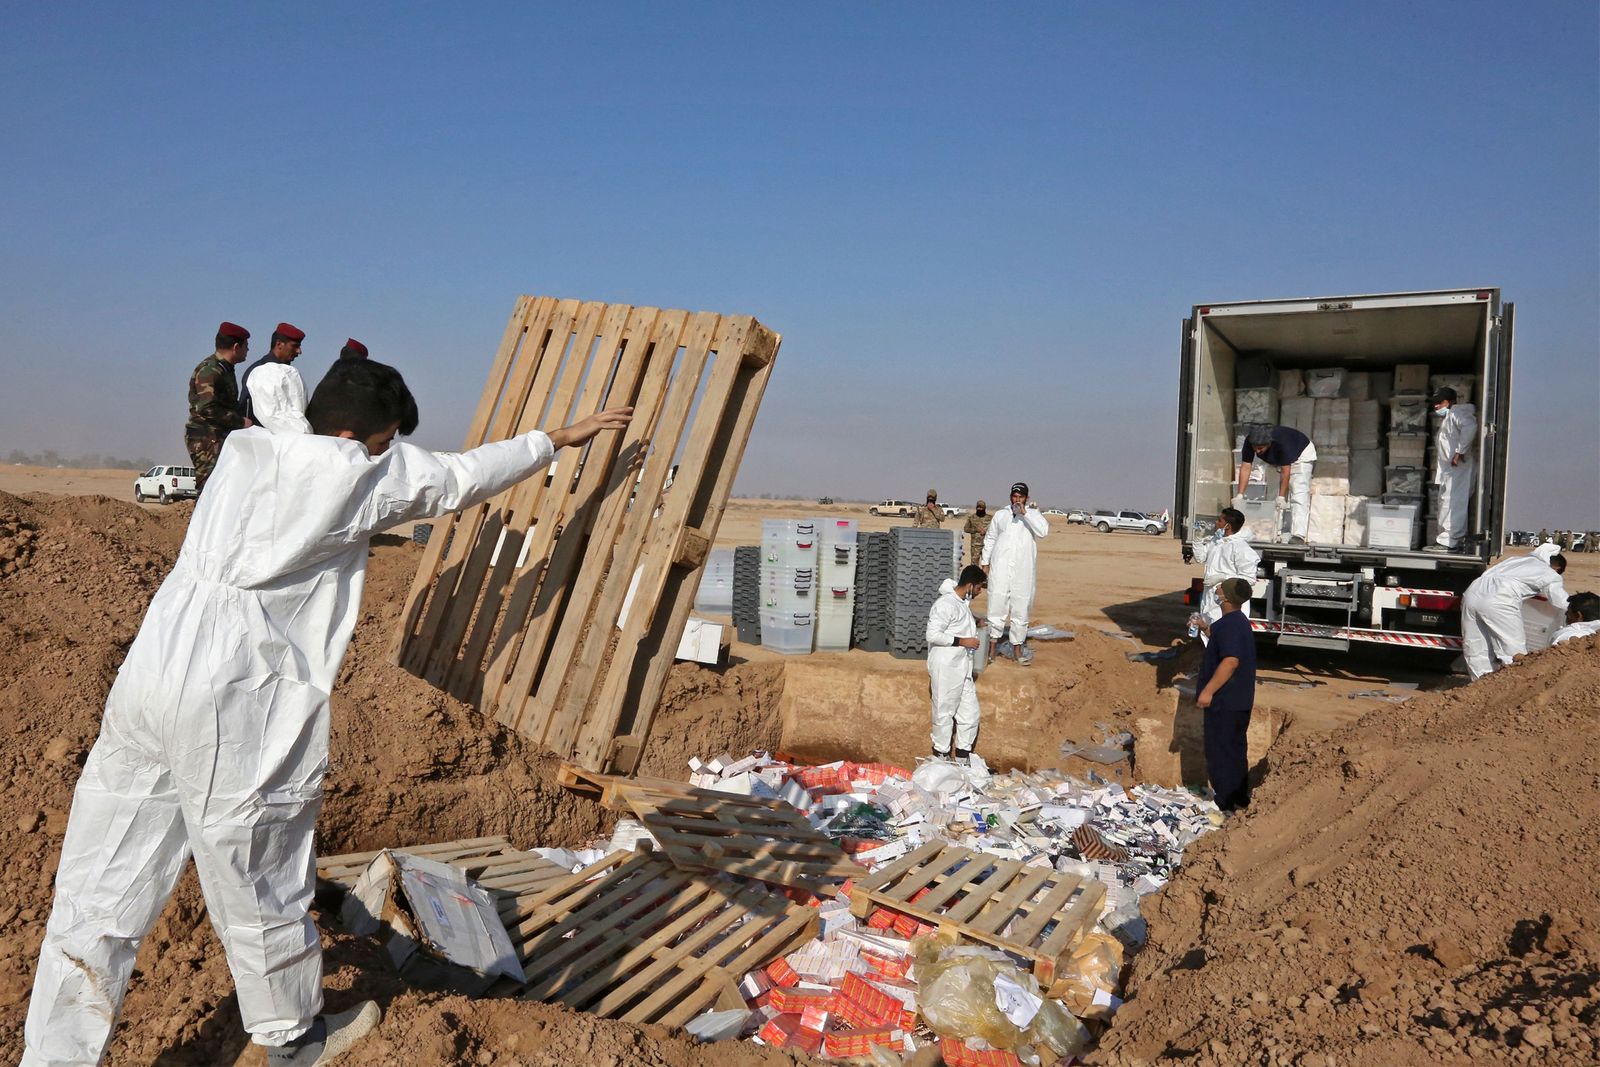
(214, 741)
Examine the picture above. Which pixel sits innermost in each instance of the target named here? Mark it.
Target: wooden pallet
(1036, 912)
(634, 937)
(507, 872)
(702, 829)
(517, 603)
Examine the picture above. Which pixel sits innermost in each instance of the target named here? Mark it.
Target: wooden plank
(546, 328)
(517, 702)
(956, 882)
(564, 361)
(553, 569)
(1076, 920)
(643, 695)
(977, 897)
(655, 558)
(477, 429)
(1023, 889)
(535, 509)
(1026, 931)
(584, 676)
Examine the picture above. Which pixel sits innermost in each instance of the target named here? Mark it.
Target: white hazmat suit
(1011, 552)
(1224, 558)
(1574, 630)
(1492, 630)
(215, 735)
(1458, 427)
(955, 698)
(278, 398)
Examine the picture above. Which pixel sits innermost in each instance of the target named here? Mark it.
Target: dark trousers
(1227, 757)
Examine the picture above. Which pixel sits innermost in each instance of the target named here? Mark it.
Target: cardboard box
(1366, 471)
(1330, 426)
(956, 1054)
(1366, 424)
(1299, 412)
(1411, 378)
(1357, 385)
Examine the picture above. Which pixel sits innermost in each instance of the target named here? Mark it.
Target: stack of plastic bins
(871, 622)
(747, 593)
(715, 595)
(836, 583)
(920, 561)
(788, 585)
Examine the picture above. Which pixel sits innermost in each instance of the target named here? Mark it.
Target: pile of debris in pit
(848, 911)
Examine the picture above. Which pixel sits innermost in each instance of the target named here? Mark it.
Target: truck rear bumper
(1353, 633)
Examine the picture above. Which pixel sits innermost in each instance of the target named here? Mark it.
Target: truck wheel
(873, 511)
(161, 494)
(1104, 527)
(138, 495)
(1153, 530)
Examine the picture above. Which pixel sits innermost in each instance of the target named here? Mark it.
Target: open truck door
(1180, 494)
(1495, 426)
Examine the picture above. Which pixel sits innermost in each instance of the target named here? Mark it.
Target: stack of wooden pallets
(557, 605)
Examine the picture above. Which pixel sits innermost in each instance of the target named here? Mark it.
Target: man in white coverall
(1226, 554)
(1010, 558)
(214, 740)
(1583, 618)
(1492, 631)
(1453, 468)
(952, 637)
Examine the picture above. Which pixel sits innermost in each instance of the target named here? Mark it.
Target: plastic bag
(956, 997)
(860, 820)
(1094, 966)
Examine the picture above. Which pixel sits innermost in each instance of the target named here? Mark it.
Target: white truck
(1362, 577)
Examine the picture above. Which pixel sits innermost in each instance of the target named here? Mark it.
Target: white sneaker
(330, 1036)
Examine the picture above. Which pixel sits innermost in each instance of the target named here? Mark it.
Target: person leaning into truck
(1293, 454)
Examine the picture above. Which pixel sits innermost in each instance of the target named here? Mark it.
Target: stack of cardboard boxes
(1372, 435)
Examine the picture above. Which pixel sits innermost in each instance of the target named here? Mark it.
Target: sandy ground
(1413, 883)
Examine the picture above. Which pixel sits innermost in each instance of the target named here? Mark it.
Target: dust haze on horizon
(978, 237)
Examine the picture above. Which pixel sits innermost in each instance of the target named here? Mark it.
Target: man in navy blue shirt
(1227, 694)
(1293, 454)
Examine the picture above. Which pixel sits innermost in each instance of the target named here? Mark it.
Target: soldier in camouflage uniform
(976, 526)
(214, 410)
(932, 515)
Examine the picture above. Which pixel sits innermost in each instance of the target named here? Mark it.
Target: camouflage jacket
(214, 398)
(928, 516)
(976, 526)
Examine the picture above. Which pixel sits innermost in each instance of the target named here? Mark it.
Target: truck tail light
(1483, 296)
(1434, 602)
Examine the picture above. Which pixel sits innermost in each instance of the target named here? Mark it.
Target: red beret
(356, 346)
(233, 330)
(290, 333)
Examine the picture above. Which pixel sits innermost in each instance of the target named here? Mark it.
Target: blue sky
(977, 227)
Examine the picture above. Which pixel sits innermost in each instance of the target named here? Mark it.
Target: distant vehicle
(1079, 516)
(950, 510)
(824, 499)
(1055, 511)
(1107, 521)
(893, 507)
(165, 484)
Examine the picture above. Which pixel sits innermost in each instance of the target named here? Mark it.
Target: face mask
(1439, 412)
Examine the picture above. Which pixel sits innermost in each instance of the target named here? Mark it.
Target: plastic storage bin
(1408, 414)
(1408, 449)
(1404, 480)
(789, 632)
(715, 593)
(1392, 525)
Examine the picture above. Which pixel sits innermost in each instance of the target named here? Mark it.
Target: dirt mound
(1417, 887)
(409, 764)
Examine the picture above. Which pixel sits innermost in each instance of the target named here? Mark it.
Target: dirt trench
(1414, 887)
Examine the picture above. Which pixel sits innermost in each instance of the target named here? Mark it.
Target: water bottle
(1194, 625)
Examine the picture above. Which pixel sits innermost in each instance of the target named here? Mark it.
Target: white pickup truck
(1107, 521)
(165, 484)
